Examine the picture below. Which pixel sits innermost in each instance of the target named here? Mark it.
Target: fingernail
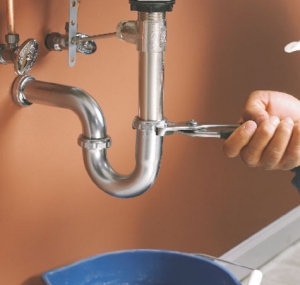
(274, 120)
(250, 127)
(289, 120)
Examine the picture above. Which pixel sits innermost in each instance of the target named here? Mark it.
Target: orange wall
(217, 53)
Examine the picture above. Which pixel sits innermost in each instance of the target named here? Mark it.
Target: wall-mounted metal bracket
(72, 40)
(72, 32)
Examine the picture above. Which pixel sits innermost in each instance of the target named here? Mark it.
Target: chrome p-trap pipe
(94, 140)
(151, 38)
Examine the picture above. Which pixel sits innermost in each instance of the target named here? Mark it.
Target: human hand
(270, 134)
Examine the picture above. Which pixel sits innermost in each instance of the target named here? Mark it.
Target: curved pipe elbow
(26, 90)
(148, 156)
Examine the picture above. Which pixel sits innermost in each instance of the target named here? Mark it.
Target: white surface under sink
(284, 269)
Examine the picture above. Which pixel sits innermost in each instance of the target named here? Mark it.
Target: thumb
(255, 107)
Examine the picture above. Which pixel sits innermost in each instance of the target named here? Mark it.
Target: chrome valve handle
(26, 56)
(23, 57)
(59, 42)
(85, 46)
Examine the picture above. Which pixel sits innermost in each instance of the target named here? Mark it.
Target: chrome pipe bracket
(94, 143)
(139, 124)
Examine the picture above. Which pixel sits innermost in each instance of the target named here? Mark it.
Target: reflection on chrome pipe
(26, 90)
(151, 46)
(149, 33)
(148, 154)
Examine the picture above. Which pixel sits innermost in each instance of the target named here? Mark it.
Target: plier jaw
(192, 129)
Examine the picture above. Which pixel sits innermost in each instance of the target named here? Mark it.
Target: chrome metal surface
(139, 124)
(59, 42)
(56, 42)
(192, 122)
(127, 31)
(94, 143)
(26, 56)
(12, 40)
(18, 90)
(84, 45)
(148, 155)
(3, 59)
(149, 33)
(62, 96)
(148, 144)
(23, 57)
(72, 32)
(94, 37)
(193, 129)
(151, 45)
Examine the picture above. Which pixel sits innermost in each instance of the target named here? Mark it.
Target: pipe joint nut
(139, 124)
(94, 143)
(18, 90)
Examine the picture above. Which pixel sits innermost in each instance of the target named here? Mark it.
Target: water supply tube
(10, 16)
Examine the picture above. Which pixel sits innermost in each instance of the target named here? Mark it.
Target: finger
(255, 107)
(291, 158)
(240, 137)
(253, 151)
(276, 148)
(262, 104)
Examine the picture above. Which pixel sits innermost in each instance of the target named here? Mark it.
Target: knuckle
(249, 155)
(289, 164)
(291, 158)
(271, 158)
(267, 130)
(286, 128)
(228, 151)
(273, 155)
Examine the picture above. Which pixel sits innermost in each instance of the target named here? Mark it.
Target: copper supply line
(10, 17)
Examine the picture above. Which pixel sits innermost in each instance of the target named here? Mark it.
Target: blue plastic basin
(142, 267)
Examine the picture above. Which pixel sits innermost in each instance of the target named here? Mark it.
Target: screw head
(192, 122)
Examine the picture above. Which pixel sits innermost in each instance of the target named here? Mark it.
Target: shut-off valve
(22, 57)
